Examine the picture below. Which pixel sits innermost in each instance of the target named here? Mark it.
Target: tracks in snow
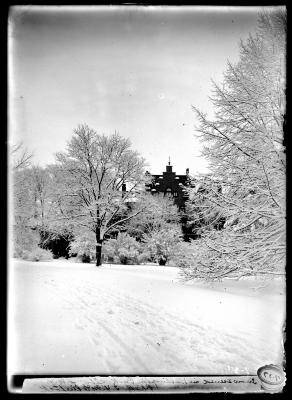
(130, 335)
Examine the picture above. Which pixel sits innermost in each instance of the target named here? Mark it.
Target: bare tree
(244, 146)
(93, 173)
(20, 156)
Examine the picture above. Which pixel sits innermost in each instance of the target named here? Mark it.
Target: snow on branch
(243, 144)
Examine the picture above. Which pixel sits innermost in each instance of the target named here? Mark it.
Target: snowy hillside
(75, 318)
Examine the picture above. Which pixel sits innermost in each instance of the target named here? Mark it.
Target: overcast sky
(135, 70)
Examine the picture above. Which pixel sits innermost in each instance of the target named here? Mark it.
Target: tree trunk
(98, 247)
(98, 254)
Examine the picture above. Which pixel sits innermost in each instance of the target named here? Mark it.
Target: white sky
(135, 70)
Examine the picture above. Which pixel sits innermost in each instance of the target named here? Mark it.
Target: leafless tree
(92, 173)
(246, 153)
(20, 156)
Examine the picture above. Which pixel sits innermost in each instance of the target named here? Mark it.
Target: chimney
(187, 171)
(168, 167)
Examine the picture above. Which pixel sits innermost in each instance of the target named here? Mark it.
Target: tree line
(94, 191)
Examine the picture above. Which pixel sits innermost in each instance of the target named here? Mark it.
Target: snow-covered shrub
(184, 256)
(125, 249)
(143, 257)
(196, 262)
(24, 240)
(157, 213)
(162, 243)
(37, 254)
(109, 251)
(84, 246)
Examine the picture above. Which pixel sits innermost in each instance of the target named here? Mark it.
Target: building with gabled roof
(171, 185)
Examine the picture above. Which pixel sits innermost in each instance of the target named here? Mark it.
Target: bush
(85, 258)
(196, 262)
(37, 254)
(162, 243)
(143, 257)
(18, 251)
(84, 247)
(25, 240)
(26, 247)
(58, 243)
(125, 250)
(185, 259)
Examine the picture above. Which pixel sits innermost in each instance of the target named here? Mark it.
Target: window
(168, 192)
(174, 194)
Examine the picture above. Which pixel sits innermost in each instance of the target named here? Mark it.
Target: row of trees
(82, 199)
(152, 235)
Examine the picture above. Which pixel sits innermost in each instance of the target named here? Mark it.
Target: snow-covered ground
(72, 318)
